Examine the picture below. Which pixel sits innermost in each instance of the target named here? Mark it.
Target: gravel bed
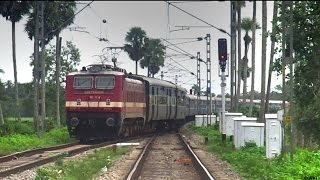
(220, 169)
(123, 165)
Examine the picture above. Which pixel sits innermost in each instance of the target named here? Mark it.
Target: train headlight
(110, 122)
(74, 121)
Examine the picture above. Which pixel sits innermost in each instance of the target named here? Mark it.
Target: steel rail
(134, 173)
(33, 151)
(203, 171)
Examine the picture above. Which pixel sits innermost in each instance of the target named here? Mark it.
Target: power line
(178, 48)
(221, 30)
(69, 19)
(188, 54)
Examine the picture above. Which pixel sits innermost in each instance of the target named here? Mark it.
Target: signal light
(222, 49)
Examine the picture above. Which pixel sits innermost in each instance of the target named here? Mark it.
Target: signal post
(222, 55)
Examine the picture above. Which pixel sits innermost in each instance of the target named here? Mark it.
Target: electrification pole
(176, 79)
(209, 108)
(198, 81)
(222, 55)
(233, 52)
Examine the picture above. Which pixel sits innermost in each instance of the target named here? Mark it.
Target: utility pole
(222, 56)
(233, 52)
(209, 108)
(198, 81)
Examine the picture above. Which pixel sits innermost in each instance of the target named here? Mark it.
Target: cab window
(104, 82)
(82, 82)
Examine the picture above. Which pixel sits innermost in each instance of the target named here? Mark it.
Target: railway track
(26, 160)
(22, 161)
(168, 156)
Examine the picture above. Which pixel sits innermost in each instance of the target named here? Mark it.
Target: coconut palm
(246, 25)
(55, 13)
(239, 5)
(135, 47)
(275, 13)
(153, 56)
(253, 66)
(263, 59)
(14, 11)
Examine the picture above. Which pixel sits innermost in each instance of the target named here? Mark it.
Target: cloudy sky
(158, 22)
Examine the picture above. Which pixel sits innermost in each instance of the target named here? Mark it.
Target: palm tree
(246, 25)
(153, 56)
(55, 14)
(263, 58)
(14, 11)
(239, 5)
(135, 48)
(253, 66)
(275, 13)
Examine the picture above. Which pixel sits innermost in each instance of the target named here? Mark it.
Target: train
(106, 102)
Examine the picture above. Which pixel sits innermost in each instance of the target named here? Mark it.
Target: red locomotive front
(94, 102)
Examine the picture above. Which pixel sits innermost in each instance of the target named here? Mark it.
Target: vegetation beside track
(20, 142)
(251, 162)
(86, 168)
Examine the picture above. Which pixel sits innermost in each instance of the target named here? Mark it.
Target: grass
(251, 163)
(28, 119)
(83, 169)
(21, 142)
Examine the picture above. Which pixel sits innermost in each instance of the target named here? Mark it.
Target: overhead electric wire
(69, 19)
(188, 54)
(221, 30)
(178, 48)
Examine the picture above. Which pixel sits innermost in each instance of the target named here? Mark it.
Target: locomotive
(106, 102)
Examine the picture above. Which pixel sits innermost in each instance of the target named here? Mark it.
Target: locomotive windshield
(82, 82)
(104, 82)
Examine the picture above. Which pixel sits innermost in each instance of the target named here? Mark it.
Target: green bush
(17, 127)
(18, 142)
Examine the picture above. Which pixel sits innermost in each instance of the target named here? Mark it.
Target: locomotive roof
(106, 72)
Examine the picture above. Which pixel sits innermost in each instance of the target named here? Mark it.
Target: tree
(1, 94)
(263, 58)
(272, 52)
(70, 59)
(14, 11)
(239, 5)
(58, 16)
(253, 66)
(135, 39)
(195, 88)
(246, 25)
(153, 56)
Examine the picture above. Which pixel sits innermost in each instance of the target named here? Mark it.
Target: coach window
(82, 82)
(104, 82)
